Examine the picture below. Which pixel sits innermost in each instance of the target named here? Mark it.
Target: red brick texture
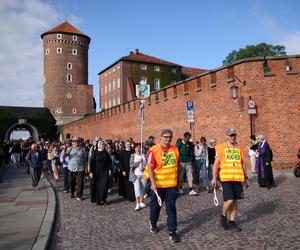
(275, 93)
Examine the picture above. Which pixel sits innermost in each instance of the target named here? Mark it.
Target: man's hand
(247, 183)
(124, 173)
(214, 182)
(153, 186)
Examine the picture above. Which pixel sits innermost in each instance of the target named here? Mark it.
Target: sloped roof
(64, 27)
(140, 57)
(188, 71)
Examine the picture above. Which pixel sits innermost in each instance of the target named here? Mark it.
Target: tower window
(109, 87)
(69, 65)
(74, 38)
(74, 111)
(74, 52)
(69, 96)
(47, 51)
(156, 68)
(105, 89)
(58, 36)
(156, 84)
(114, 84)
(69, 78)
(119, 100)
(118, 83)
(58, 111)
(58, 50)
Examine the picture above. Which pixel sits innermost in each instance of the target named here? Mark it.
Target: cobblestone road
(270, 220)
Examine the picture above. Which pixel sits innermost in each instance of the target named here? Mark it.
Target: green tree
(261, 49)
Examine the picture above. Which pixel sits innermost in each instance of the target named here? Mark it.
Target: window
(74, 52)
(118, 83)
(156, 68)
(109, 72)
(69, 96)
(114, 70)
(118, 67)
(74, 38)
(143, 67)
(74, 111)
(114, 84)
(174, 70)
(105, 89)
(144, 78)
(58, 36)
(109, 87)
(58, 50)
(58, 111)
(47, 51)
(105, 105)
(69, 78)
(69, 65)
(156, 84)
(105, 74)
(119, 100)
(114, 102)
(109, 104)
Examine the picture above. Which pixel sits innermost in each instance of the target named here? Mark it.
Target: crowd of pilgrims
(108, 163)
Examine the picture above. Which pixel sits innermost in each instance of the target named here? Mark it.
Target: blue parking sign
(189, 105)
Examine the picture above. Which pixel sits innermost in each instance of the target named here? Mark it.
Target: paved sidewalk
(26, 215)
(270, 219)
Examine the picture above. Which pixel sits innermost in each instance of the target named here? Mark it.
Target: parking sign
(190, 106)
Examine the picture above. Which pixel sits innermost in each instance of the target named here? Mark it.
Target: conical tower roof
(65, 27)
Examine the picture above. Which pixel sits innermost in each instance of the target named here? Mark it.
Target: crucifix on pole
(142, 92)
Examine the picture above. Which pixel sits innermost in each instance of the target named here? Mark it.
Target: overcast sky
(191, 33)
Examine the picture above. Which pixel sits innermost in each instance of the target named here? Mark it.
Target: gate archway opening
(22, 127)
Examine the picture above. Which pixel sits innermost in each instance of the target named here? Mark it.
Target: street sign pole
(191, 115)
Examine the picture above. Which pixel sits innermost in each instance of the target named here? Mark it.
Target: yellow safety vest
(166, 169)
(231, 158)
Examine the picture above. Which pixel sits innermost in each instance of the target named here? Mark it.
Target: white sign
(251, 104)
(191, 116)
(252, 111)
(142, 90)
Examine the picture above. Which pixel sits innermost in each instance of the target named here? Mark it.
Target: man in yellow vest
(232, 173)
(163, 162)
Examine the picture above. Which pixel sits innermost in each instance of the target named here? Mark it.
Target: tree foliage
(261, 49)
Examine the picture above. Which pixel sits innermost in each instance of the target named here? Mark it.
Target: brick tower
(66, 90)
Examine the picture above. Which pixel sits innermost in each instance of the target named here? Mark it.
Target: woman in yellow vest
(163, 162)
(232, 173)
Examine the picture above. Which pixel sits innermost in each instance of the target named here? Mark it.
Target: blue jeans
(200, 165)
(169, 195)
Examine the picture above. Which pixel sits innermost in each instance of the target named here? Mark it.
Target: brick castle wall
(276, 94)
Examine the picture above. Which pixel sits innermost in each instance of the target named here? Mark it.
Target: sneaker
(153, 228)
(224, 222)
(137, 207)
(174, 237)
(234, 227)
(145, 196)
(142, 205)
(109, 191)
(79, 199)
(193, 192)
(181, 191)
(65, 191)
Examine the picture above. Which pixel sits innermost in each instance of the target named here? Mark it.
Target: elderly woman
(137, 166)
(263, 163)
(100, 169)
(34, 159)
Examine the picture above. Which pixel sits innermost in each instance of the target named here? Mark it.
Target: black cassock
(126, 188)
(100, 166)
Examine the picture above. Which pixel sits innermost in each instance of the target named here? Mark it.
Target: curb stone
(46, 230)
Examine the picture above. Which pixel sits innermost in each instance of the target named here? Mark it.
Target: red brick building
(67, 93)
(117, 81)
(275, 89)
